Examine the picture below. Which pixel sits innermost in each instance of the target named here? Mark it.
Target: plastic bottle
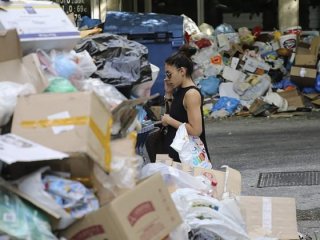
(214, 184)
(212, 178)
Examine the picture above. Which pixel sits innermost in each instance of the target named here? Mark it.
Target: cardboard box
(307, 55)
(294, 99)
(125, 113)
(67, 122)
(260, 107)
(229, 182)
(303, 77)
(131, 160)
(79, 166)
(145, 213)
(40, 25)
(14, 67)
(270, 217)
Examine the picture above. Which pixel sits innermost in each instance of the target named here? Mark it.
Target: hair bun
(187, 50)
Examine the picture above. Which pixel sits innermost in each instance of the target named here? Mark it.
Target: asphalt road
(256, 145)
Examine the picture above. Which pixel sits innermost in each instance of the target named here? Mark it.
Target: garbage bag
(252, 87)
(203, 234)
(227, 103)
(32, 186)
(223, 28)
(107, 93)
(88, 23)
(9, 92)
(60, 85)
(199, 211)
(317, 84)
(275, 99)
(177, 178)
(209, 86)
(120, 62)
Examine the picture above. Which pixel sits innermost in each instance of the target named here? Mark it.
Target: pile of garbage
(69, 146)
(255, 72)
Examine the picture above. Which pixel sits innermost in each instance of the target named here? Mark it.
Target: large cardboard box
(307, 55)
(78, 166)
(303, 77)
(145, 213)
(68, 122)
(40, 25)
(14, 67)
(228, 182)
(273, 217)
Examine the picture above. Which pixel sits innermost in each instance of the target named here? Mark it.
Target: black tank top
(178, 112)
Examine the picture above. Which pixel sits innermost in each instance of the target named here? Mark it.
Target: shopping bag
(155, 143)
(191, 149)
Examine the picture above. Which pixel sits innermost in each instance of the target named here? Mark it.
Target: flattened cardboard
(14, 68)
(146, 212)
(81, 124)
(303, 77)
(233, 75)
(14, 148)
(229, 182)
(294, 99)
(316, 102)
(270, 217)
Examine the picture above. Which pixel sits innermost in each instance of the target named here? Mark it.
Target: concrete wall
(243, 20)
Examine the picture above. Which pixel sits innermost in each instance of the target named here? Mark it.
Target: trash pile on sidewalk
(68, 145)
(255, 73)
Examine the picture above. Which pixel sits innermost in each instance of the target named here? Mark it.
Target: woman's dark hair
(182, 59)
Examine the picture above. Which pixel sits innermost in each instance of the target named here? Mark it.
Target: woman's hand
(165, 119)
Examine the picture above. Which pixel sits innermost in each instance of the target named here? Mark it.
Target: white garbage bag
(9, 92)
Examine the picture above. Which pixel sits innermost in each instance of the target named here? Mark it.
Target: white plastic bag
(203, 212)
(9, 92)
(107, 93)
(189, 25)
(275, 99)
(85, 63)
(32, 186)
(177, 178)
(144, 89)
(191, 149)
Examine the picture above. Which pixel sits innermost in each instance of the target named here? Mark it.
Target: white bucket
(288, 41)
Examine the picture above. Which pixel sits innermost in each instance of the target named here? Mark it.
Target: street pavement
(256, 145)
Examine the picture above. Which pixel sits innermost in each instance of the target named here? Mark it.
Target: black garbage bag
(120, 62)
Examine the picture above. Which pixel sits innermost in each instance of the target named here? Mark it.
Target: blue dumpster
(162, 34)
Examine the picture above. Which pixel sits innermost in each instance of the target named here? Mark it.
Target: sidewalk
(260, 145)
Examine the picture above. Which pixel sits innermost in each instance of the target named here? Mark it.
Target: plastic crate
(162, 34)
